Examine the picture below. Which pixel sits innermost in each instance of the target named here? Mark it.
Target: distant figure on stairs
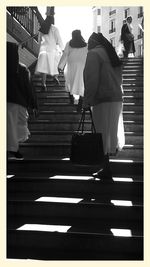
(20, 98)
(127, 38)
(73, 62)
(103, 93)
(50, 51)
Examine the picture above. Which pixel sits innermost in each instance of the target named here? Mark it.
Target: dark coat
(128, 39)
(19, 86)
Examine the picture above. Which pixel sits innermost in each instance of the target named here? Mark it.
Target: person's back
(19, 99)
(28, 96)
(77, 55)
(50, 51)
(103, 93)
(51, 39)
(105, 79)
(73, 62)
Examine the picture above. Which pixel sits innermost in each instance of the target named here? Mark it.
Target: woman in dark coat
(128, 38)
(103, 93)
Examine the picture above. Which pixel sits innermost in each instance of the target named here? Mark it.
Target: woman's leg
(44, 79)
(80, 103)
(56, 80)
(12, 127)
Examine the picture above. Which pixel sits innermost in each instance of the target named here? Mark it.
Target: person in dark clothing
(20, 99)
(127, 38)
(104, 95)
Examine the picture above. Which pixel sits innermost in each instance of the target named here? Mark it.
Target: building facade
(109, 21)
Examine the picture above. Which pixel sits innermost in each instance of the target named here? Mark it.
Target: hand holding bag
(86, 148)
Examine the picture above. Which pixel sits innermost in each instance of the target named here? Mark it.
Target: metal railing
(28, 17)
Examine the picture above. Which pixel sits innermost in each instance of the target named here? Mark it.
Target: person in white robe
(73, 62)
(50, 51)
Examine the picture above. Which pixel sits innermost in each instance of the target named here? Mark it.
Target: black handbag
(86, 148)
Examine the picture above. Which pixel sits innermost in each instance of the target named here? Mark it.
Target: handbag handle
(82, 120)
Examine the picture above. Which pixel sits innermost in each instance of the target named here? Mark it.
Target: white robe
(50, 52)
(108, 120)
(17, 126)
(73, 62)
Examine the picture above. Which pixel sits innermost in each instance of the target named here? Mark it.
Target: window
(98, 11)
(112, 26)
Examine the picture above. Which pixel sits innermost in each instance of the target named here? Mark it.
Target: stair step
(133, 61)
(81, 225)
(75, 116)
(40, 136)
(132, 89)
(70, 107)
(43, 95)
(82, 187)
(97, 211)
(72, 246)
(62, 93)
(134, 94)
(132, 100)
(54, 99)
(132, 83)
(25, 212)
(132, 71)
(130, 126)
(65, 99)
(56, 165)
(46, 150)
(37, 77)
(61, 89)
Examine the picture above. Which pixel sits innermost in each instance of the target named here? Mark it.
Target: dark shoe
(102, 174)
(71, 99)
(14, 155)
(80, 103)
(44, 87)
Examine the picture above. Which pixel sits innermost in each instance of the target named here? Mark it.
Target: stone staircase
(51, 132)
(46, 189)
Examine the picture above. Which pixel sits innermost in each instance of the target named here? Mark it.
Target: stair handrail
(26, 40)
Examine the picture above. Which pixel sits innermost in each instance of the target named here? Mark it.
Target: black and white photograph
(75, 133)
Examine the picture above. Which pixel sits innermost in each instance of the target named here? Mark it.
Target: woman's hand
(60, 70)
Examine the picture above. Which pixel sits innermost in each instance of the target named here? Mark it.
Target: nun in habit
(50, 51)
(73, 62)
